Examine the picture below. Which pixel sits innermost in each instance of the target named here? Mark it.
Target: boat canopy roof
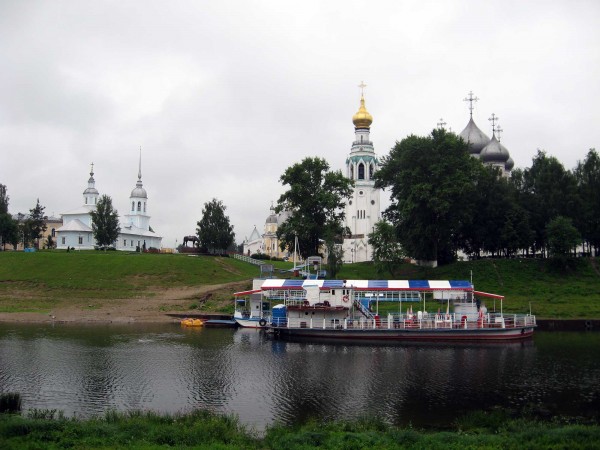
(366, 285)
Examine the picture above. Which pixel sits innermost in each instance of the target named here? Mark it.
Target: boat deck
(408, 322)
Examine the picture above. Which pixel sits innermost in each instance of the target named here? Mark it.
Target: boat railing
(413, 321)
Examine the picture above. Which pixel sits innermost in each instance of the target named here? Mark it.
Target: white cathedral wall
(71, 240)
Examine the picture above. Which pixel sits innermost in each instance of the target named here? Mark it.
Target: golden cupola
(362, 119)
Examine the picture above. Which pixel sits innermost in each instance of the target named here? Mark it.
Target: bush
(10, 403)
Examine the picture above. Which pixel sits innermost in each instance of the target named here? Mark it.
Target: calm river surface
(86, 370)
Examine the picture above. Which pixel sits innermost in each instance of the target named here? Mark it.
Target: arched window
(361, 171)
(352, 172)
(371, 169)
(139, 206)
(144, 206)
(132, 206)
(53, 232)
(86, 200)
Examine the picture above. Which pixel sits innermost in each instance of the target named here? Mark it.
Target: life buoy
(262, 322)
(345, 298)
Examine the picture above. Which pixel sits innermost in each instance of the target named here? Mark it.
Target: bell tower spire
(90, 195)
(362, 209)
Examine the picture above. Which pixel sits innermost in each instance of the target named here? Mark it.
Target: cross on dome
(470, 99)
(362, 87)
(441, 123)
(493, 118)
(498, 131)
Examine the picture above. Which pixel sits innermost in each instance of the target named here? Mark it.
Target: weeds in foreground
(203, 429)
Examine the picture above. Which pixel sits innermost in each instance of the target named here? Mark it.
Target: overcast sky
(223, 96)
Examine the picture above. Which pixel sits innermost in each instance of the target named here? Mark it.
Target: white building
(136, 232)
(268, 242)
(363, 208)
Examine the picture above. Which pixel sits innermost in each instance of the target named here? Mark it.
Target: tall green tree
(430, 180)
(563, 237)
(587, 220)
(548, 191)
(335, 257)
(387, 251)
(315, 202)
(3, 200)
(214, 230)
(105, 223)
(9, 230)
(35, 224)
(8, 226)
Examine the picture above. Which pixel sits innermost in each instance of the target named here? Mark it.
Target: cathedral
(363, 209)
(136, 233)
(490, 151)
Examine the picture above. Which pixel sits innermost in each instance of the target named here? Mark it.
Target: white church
(136, 232)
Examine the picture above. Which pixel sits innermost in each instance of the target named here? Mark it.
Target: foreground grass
(203, 430)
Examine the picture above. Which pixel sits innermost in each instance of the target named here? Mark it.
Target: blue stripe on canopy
(292, 283)
(333, 284)
(378, 284)
(457, 284)
(415, 284)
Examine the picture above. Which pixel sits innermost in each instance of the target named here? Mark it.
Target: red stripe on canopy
(487, 294)
(254, 291)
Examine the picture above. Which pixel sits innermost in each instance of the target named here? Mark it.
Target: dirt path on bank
(153, 307)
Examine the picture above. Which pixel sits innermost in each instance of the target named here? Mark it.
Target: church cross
(441, 123)
(498, 131)
(362, 87)
(92, 170)
(493, 119)
(470, 99)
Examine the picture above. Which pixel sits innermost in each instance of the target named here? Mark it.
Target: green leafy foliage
(387, 251)
(35, 224)
(587, 219)
(430, 180)
(315, 202)
(214, 230)
(105, 223)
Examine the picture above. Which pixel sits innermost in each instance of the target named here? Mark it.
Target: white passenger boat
(251, 309)
(385, 310)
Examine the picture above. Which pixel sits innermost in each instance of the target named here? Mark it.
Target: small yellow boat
(189, 322)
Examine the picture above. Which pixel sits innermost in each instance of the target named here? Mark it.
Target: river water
(86, 370)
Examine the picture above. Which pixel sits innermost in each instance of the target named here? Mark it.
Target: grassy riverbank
(203, 430)
(44, 281)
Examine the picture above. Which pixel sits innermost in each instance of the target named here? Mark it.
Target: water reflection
(86, 370)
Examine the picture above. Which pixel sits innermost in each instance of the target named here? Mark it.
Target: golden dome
(362, 119)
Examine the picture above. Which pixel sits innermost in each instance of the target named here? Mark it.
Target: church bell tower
(363, 208)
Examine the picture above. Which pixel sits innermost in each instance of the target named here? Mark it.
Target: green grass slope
(46, 277)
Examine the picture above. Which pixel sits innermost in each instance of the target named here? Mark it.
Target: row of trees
(444, 201)
(28, 230)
